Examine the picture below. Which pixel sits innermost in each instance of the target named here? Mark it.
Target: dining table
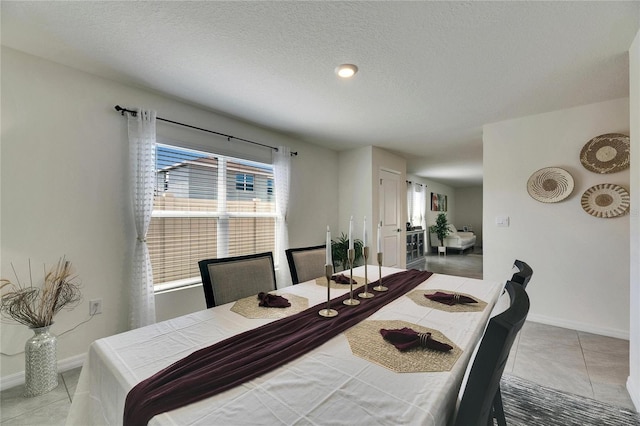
(354, 378)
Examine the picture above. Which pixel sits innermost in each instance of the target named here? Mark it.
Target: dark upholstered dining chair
(306, 263)
(481, 399)
(231, 278)
(523, 275)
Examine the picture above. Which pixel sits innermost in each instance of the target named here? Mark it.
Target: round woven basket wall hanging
(607, 153)
(605, 200)
(550, 185)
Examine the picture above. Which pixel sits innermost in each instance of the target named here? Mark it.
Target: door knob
(398, 230)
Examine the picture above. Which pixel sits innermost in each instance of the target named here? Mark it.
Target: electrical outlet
(95, 307)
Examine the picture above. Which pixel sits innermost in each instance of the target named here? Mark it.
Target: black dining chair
(231, 278)
(523, 275)
(481, 399)
(306, 263)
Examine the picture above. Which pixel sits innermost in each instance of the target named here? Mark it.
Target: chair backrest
(484, 377)
(306, 263)
(232, 278)
(523, 276)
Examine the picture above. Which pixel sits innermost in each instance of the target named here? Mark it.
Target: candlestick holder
(380, 287)
(351, 254)
(366, 294)
(328, 312)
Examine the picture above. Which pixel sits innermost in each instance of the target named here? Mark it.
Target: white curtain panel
(142, 147)
(422, 206)
(410, 191)
(416, 204)
(282, 177)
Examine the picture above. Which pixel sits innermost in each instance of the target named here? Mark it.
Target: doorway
(391, 218)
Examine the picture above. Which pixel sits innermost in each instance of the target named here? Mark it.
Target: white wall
(633, 383)
(580, 262)
(355, 194)
(64, 190)
(469, 210)
(358, 188)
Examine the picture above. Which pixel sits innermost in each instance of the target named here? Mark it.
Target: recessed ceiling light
(346, 70)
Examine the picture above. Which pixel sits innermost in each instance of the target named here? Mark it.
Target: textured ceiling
(431, 73)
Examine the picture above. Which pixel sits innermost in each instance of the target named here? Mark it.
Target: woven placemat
(418, 297)
(248, 307)
(367, 342)
(322, 281)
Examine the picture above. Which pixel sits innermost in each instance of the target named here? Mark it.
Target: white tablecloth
(327, 386)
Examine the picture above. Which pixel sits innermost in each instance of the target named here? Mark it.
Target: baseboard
(580, 326)
(71, 363)
(66, 364)
(634, 393)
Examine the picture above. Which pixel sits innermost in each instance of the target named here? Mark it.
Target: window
(244, 182)
(207, 206)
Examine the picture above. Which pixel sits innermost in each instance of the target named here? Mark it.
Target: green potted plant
(339, 248)
(441, 228)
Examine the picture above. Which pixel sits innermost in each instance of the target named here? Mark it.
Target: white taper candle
(364, 233)
(328, 260)
(351, 233)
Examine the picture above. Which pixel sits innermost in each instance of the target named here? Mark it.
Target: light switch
(502, 221)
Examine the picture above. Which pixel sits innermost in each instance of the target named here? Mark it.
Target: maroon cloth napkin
(343, 279)
(268, 300)
(245, 356)
(406, 338)
(450, 299)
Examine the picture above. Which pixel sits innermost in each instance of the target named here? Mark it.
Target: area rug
(528, 404)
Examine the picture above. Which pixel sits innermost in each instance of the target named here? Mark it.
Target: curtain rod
(229, 137)
(408, 181)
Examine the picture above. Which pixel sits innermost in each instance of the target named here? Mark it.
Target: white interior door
(390, 216)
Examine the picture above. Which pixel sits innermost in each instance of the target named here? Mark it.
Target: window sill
(184, 284)
(177, 285)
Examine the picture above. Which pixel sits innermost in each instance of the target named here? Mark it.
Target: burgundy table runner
(250, 354)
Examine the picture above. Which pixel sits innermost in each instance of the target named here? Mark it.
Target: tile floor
(468, 264)
(49, 409)
(572, 361)
(568, 360)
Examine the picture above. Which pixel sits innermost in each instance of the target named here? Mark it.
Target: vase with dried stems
(35, 307)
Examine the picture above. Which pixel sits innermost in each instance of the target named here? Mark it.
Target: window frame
(194, 281)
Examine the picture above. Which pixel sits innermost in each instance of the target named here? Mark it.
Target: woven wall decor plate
(550, 185)
(608, 153)
(605, 200)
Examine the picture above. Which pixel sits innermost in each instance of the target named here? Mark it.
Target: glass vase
(41, 366)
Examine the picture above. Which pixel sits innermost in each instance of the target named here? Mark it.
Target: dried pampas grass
(35, 307)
